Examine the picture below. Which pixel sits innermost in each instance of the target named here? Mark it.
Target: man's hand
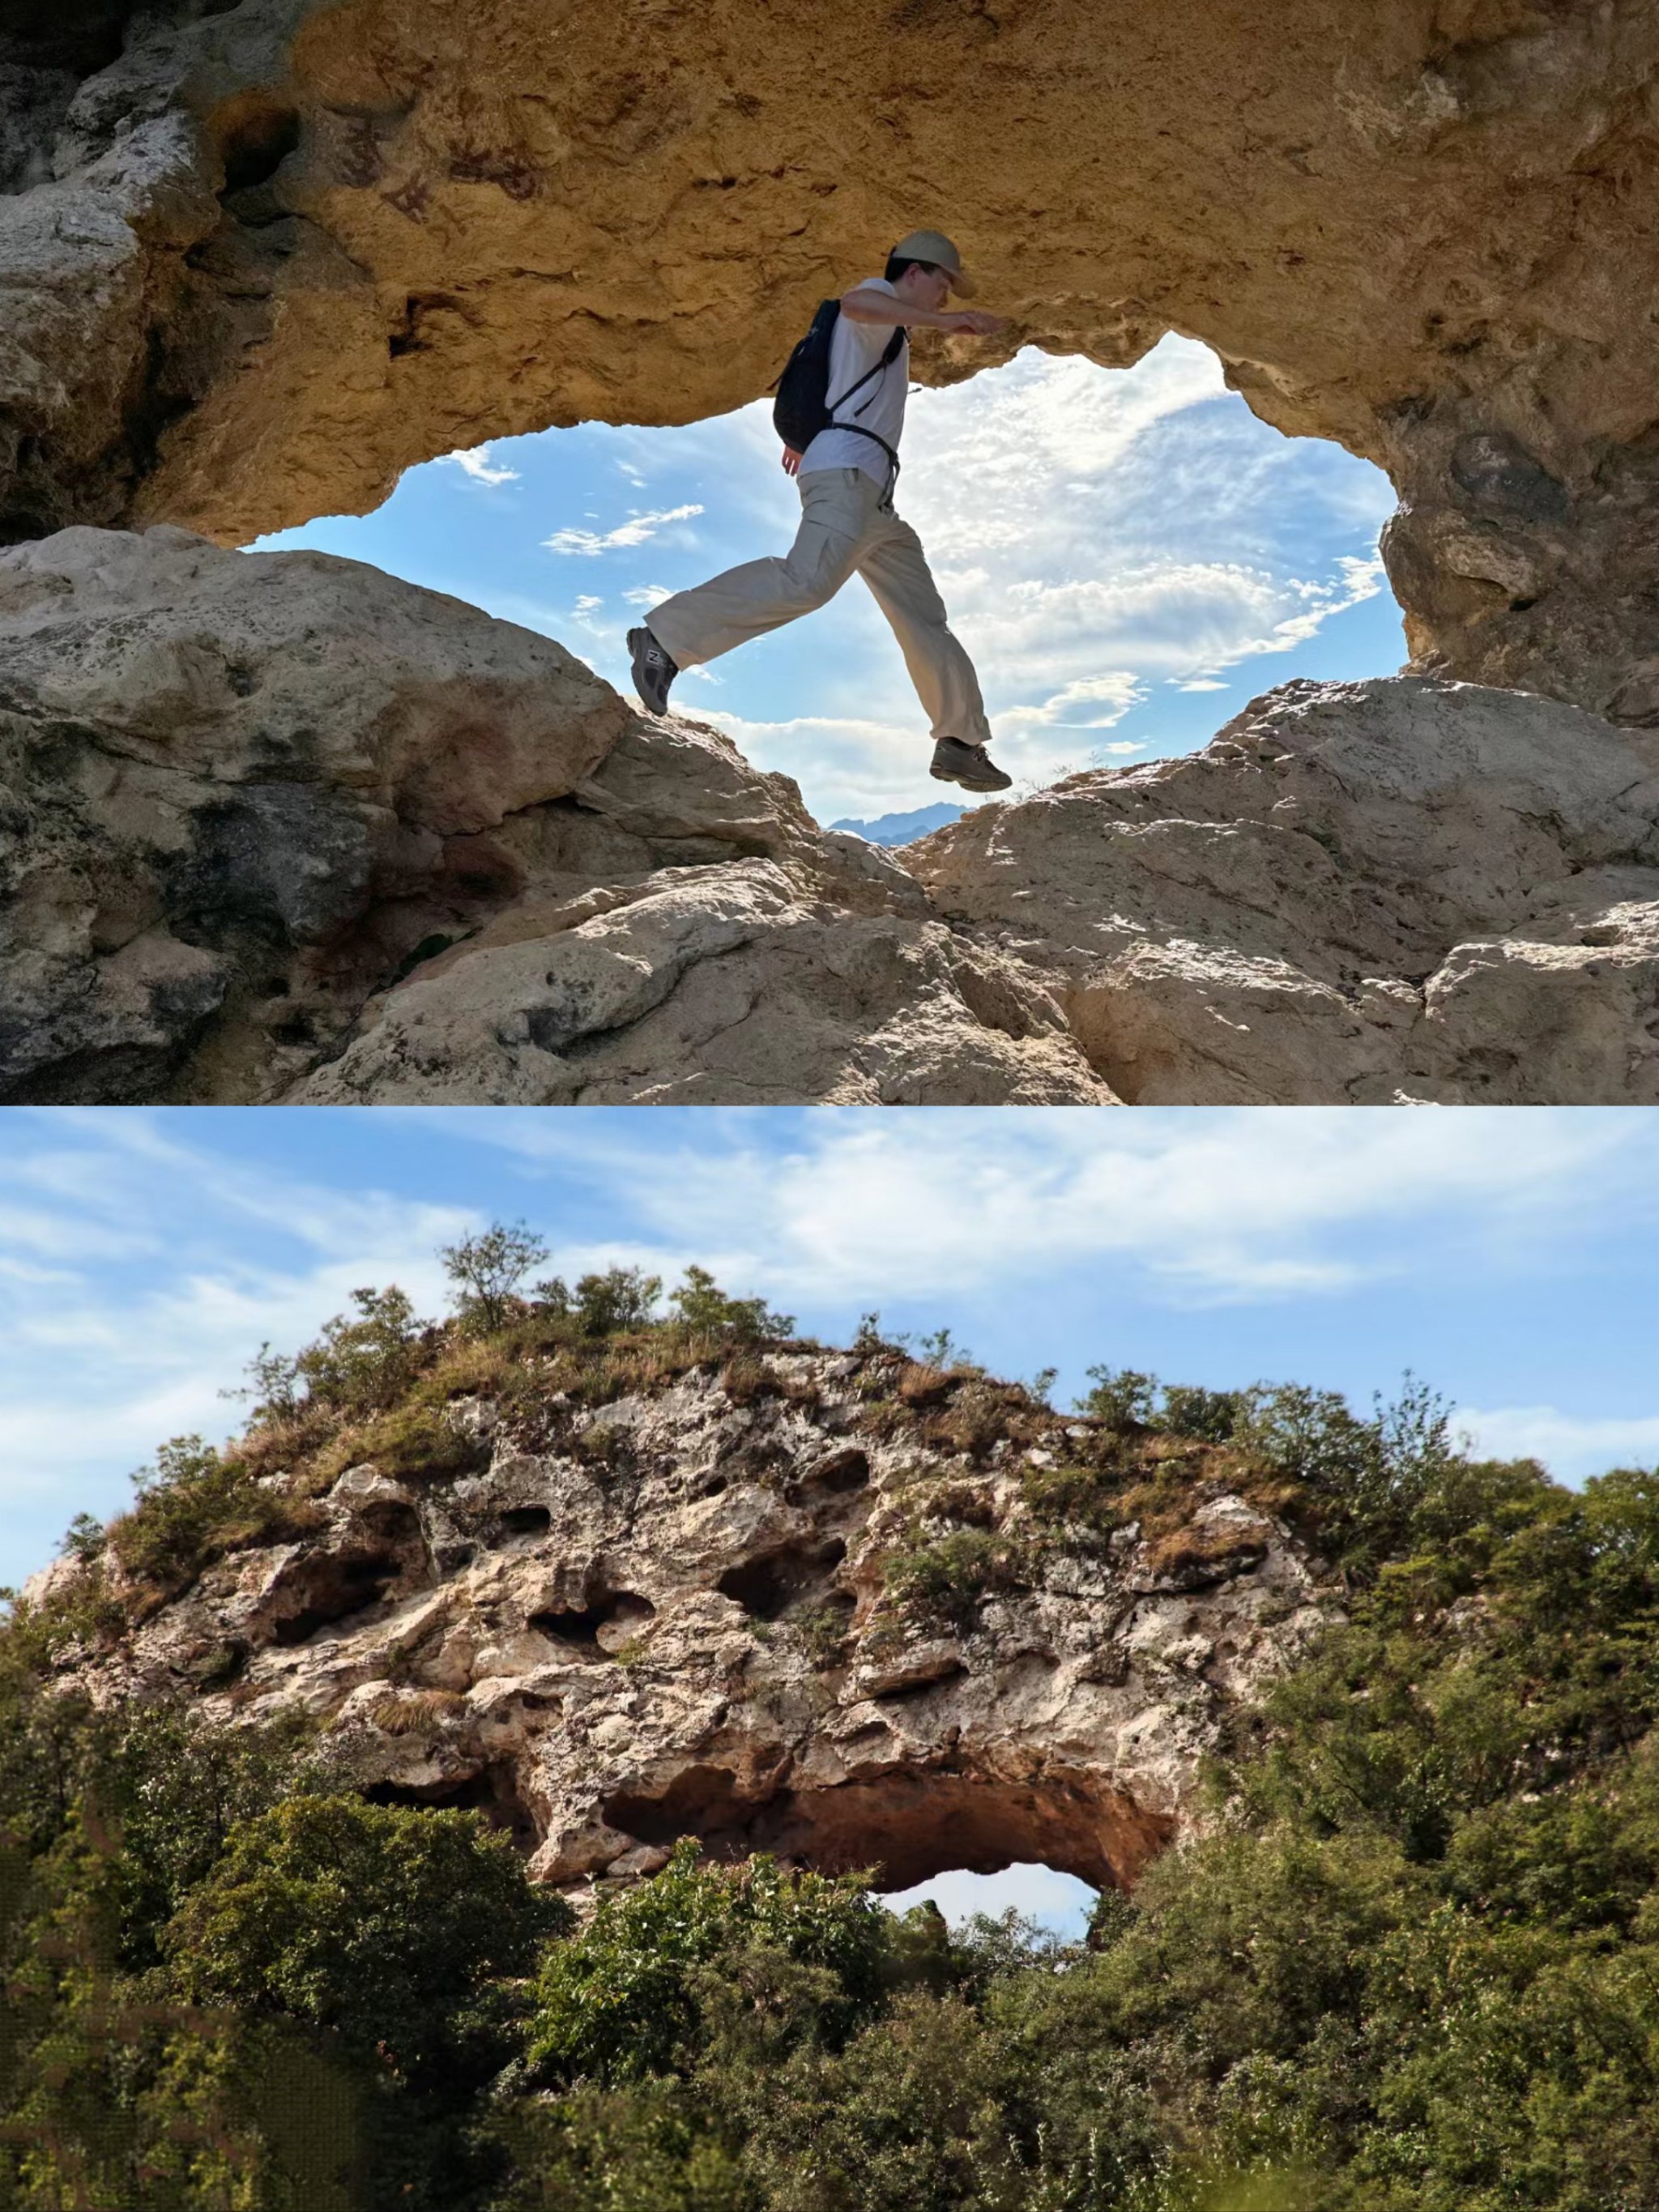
(791, 461)
(973, 320)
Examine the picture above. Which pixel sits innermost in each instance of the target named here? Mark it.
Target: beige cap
(934, 246)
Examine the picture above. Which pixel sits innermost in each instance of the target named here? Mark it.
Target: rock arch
(603, 1693)
(258, 261)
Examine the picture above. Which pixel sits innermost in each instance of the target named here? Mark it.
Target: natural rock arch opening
(1128, 554)
(1046, 1896)
(299, 248)
(910, 1825)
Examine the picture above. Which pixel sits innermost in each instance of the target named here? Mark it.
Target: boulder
(1402, 890)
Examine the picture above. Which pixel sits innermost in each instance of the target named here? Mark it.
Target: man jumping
(845, 478)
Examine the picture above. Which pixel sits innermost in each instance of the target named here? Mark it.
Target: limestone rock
(1358, 893)
(255, 261)
(238, 789)
(724, 984)
(673, 1614)
(280, 826)
(244, 794)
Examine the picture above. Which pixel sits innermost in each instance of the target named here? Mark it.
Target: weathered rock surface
(255, 261)
(243, 794)
(671, 1615)
(1357, 893)
(280, 826)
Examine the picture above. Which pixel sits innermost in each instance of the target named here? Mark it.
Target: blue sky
(1505, 1256)
(1129, 555)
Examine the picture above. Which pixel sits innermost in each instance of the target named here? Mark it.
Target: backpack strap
(888, 356)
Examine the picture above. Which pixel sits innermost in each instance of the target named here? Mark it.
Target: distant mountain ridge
(903, 829)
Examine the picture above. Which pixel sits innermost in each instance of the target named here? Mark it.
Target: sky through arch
(1129, 555)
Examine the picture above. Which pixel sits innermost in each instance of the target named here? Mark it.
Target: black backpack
(803, 406)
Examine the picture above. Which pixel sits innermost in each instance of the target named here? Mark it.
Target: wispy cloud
(475, 461)
(636, 531)
(1570, 1446)
(1213, 1205)
(146, 1255)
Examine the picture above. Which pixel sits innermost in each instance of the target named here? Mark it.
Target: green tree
(702, 1307)
(362, 1363)
(620, 1299)
(622, 2000)
(487, 1270)
(382, 1923)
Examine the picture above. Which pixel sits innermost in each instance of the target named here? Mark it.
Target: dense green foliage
(1411, 1966)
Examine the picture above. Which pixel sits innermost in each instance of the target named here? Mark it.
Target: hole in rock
(1170, 556)
(1057, 1902)
(599, 1629)
(332, 1590)
(257, 136)
(494, 1791)
(766, 1588)
(911, 1825)
(839, 1476)
(525, 1521)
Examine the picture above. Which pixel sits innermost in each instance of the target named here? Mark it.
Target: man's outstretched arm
(863, 306)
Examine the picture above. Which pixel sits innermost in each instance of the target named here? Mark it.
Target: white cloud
(156, 1260)
(647, 595)
(634, 531)
(1090, 703)
(847, 765)
(1571, 1446)
(585, 603)
(1208, 1204)
(155, 1306)
(1202, 683)
(478, 466)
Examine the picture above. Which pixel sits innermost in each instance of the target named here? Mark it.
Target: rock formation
(279, 826)
(1358, 893)
(245, 793)
(256, 260)
(677, 1612)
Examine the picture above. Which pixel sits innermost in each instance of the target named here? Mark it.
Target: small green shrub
(704, 1309)
(1121, 1397)
(418, 1441)
(193, 1506)
(361, 1366)
(624, 1998)
(943, 1582)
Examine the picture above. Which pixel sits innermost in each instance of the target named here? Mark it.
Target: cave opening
(907, 1826)
(525, 1521)
(598, 1629)
(1057, 1902)
(493, 1790)
(768, 1587)
(1166, 556)
(333, 1590)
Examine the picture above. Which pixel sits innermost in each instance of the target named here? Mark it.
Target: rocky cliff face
(257, 260)
(279, 826)
(845, 1607)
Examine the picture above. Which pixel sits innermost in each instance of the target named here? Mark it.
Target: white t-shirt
(856, 348)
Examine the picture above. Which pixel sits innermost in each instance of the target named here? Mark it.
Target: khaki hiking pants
(843, 527)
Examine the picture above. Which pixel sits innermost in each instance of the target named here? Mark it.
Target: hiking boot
(654, 671)
(970, 766)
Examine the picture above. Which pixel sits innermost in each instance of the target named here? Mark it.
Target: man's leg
(745, 602)
(896, 568)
